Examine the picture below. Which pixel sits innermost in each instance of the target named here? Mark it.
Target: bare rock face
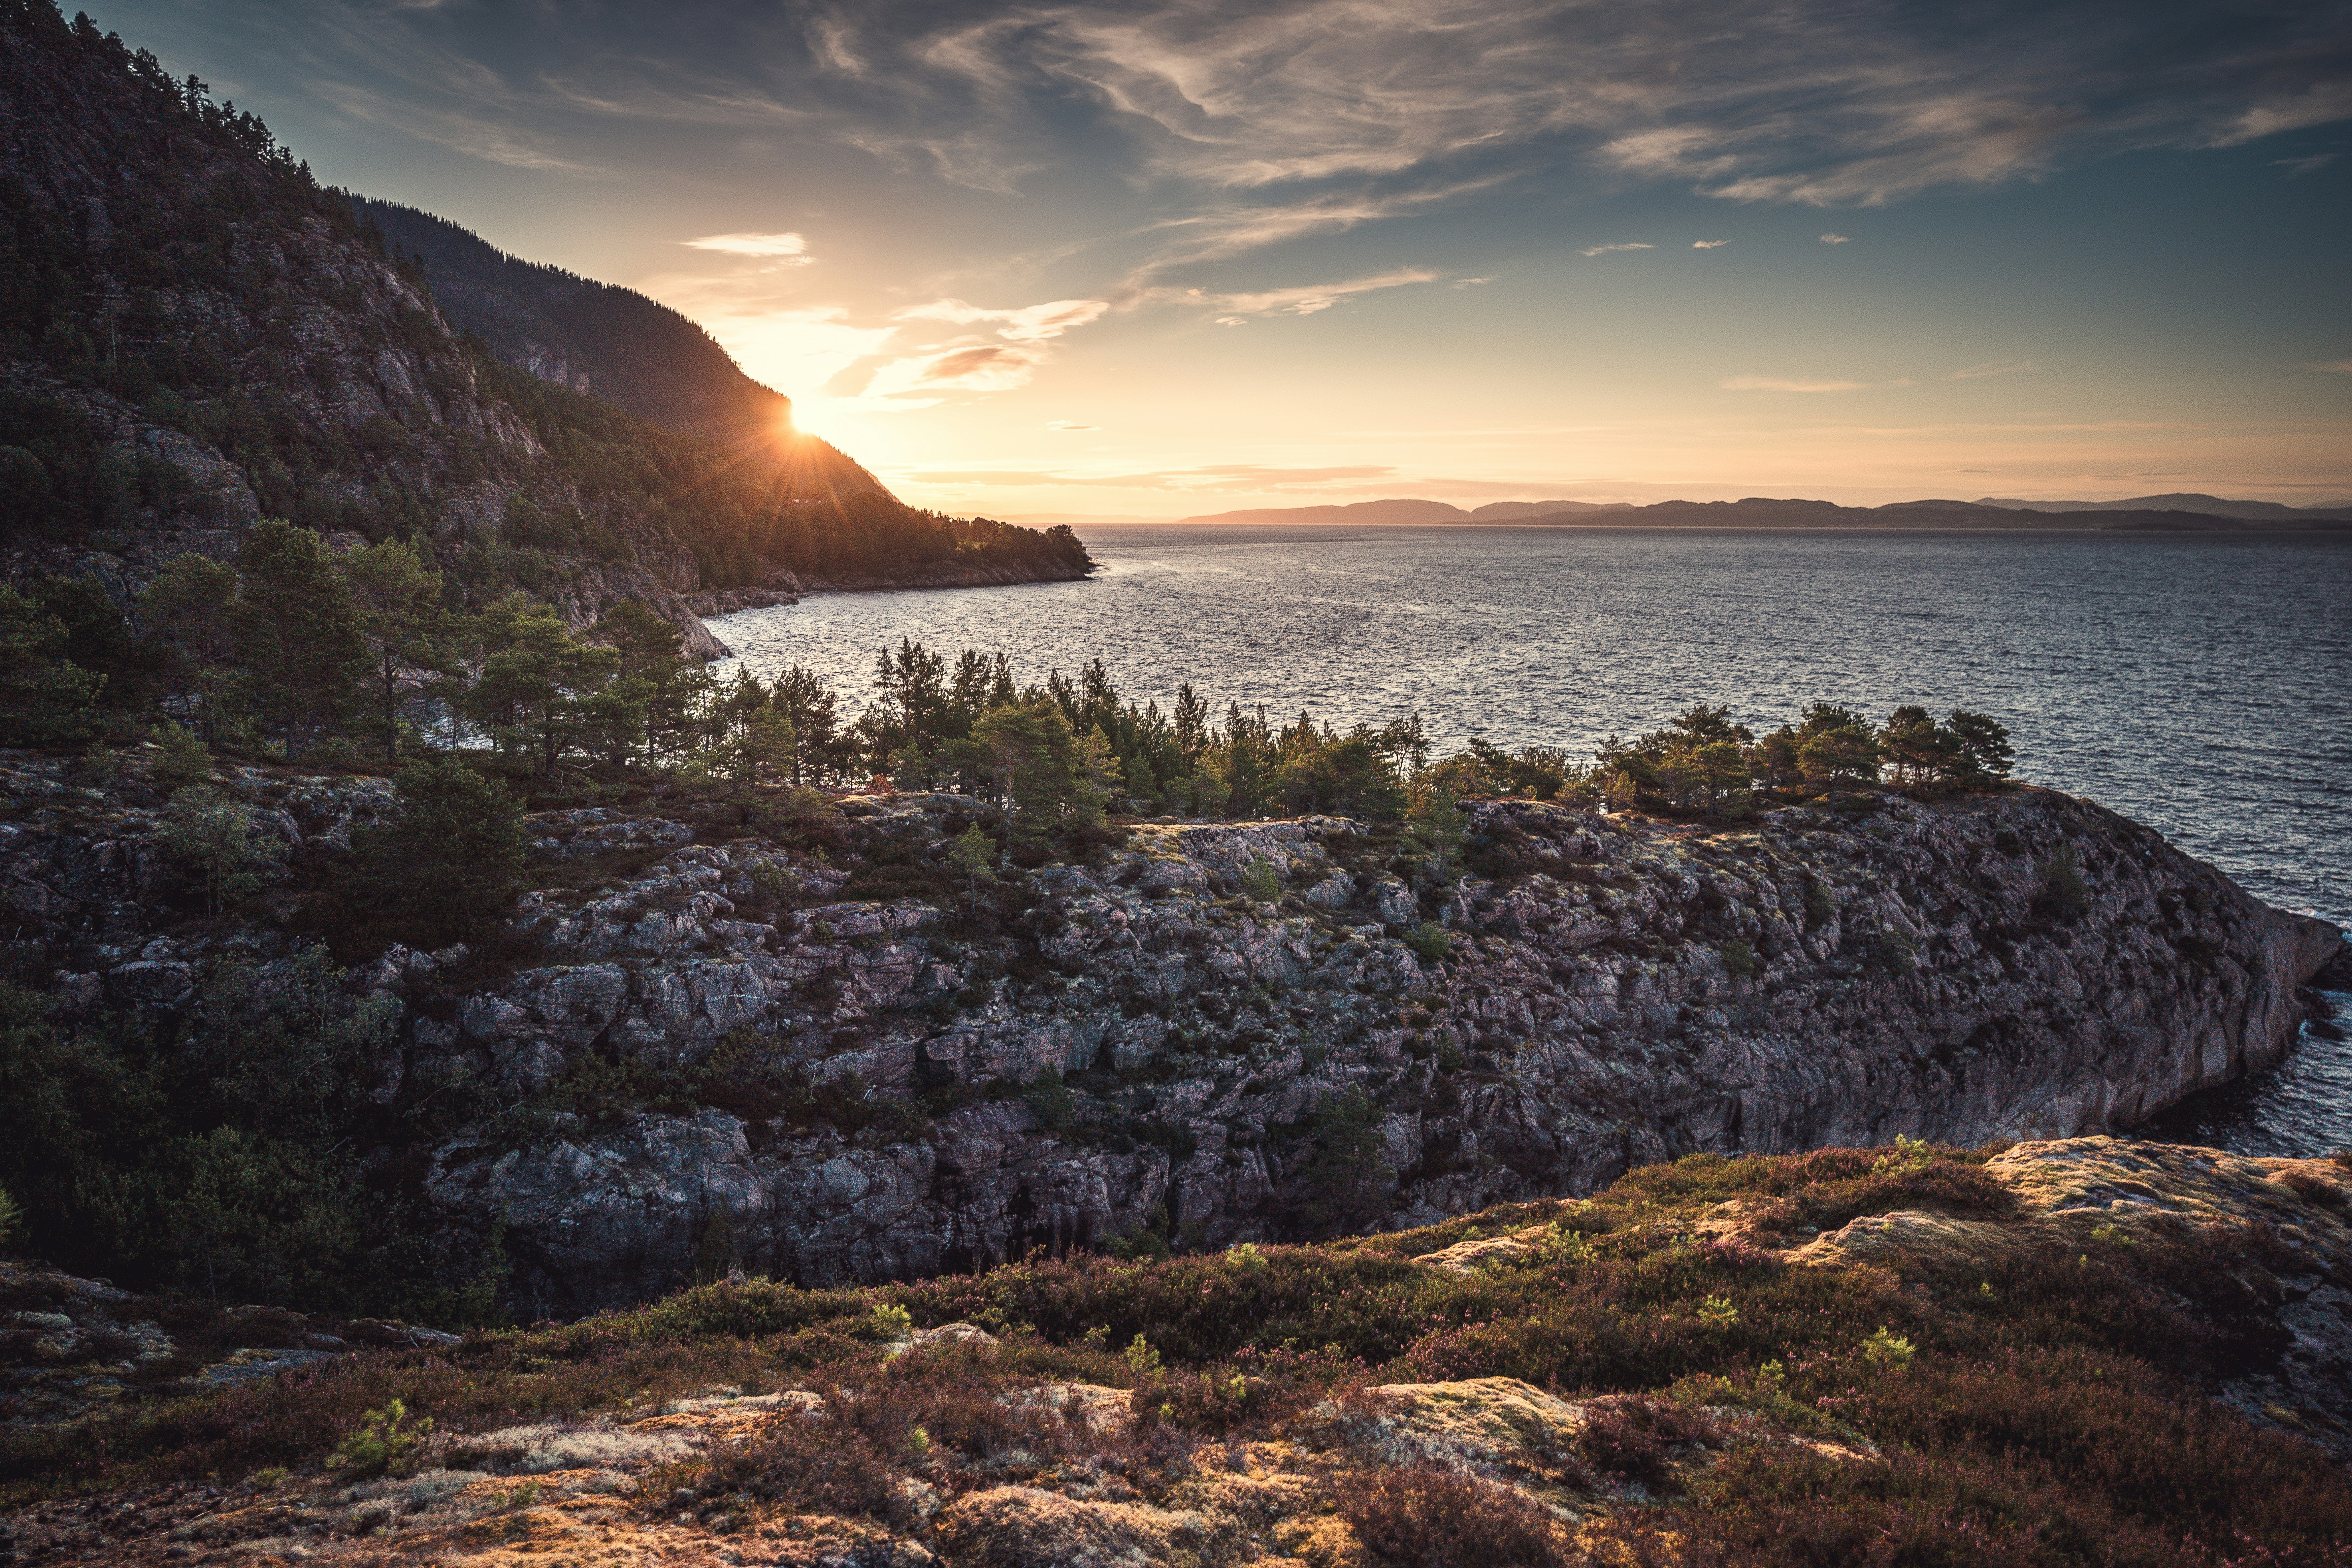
(1619, 994)
(887, 1087)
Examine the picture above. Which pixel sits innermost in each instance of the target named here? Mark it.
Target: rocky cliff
(858, 1089)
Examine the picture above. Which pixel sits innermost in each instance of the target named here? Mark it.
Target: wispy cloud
(490, 137)
(1993, 368)
(1228, 226)
(2340, 366)
(1708, 244)
(2321, 103)
(1068, 425)
(2298, 167)
(773, 246)
(1787, 383)
(1605, 249)
(1020, 324)
(1007, 359)
(1835, 238)
(1299, 300)
(1240, 126)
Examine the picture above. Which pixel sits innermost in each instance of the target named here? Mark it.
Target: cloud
(921, 376)
(1230, 226)
(1708, 244)
(1299, 300)
(485, 136)
(1993, 368)
(1605, 249)
(791, 248)
(966, 367)
(2320, 103)
(1835, 239)
(1470, 282)
(2298, 167)
(1786, 384)
(1068, 425)
(2341, 366)
(1021, 324)
(1202, 130)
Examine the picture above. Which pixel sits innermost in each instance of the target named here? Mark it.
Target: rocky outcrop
(2098, 1194)
(1136, 1045)
(70, 1346)
(1646, 993)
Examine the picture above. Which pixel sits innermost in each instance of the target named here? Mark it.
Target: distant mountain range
(2184, 512)
(2210, 506)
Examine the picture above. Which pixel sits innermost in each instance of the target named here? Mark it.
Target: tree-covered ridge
(193, 335)
(610, 343)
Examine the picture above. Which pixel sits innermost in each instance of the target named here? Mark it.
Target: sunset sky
(1159, 259)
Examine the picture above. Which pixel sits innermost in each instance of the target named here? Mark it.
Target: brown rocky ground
(2090, 1350)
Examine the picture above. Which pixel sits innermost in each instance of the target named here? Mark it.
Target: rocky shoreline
(784, 588)
(1140, 1052)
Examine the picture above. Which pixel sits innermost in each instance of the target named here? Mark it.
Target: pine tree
(397, 596)
(297, 632)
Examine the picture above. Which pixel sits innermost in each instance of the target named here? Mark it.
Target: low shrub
(1430, 941)
(1426, 1516)
(385, 1443)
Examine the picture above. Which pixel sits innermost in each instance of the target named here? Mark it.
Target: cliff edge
(706, 1050)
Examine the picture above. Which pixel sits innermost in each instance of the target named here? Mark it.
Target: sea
(2199, 683)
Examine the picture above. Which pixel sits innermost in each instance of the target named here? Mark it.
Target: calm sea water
(2202, 684)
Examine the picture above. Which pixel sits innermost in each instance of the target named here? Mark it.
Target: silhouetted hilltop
(597, 338)
(2190, 501)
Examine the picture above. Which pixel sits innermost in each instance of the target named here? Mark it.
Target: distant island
(2187, 513)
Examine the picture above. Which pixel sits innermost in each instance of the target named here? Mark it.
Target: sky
(1052, 260)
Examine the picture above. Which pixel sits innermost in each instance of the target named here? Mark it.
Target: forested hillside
(610, 342)
(193, 335)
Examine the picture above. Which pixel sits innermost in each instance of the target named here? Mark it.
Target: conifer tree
(396, 597)
(297, 632)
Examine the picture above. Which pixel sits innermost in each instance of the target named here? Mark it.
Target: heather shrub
(1637, 1439)
(1429, 1517)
